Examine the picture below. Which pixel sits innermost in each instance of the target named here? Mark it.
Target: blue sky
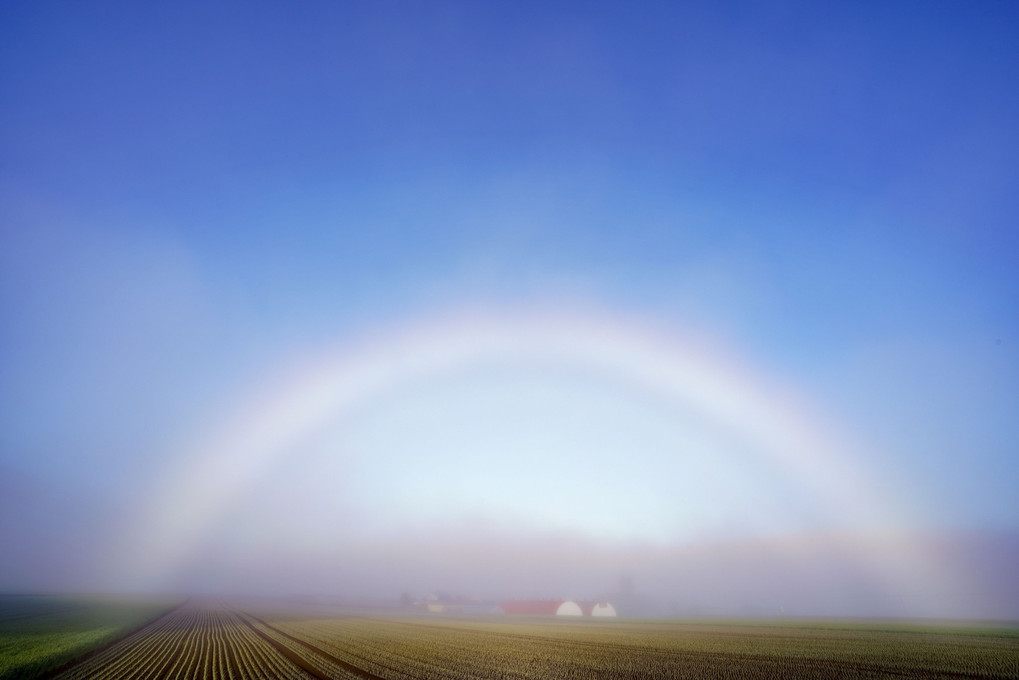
(192, 196)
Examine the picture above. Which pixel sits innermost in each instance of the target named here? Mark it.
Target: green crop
(39, 633)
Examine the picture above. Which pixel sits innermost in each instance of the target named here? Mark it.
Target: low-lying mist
(66, 545)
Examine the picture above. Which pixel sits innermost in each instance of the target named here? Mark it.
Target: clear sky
(816, 202)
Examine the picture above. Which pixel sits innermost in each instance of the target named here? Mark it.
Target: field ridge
(347, 666)
(283, 649)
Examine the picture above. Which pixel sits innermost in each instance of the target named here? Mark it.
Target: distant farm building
(558, 608)
(569, 608)
(548, 607)
(443, 603)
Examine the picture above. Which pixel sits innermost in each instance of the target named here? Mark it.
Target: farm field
(216, 639)
(39, 632)
(552, 648)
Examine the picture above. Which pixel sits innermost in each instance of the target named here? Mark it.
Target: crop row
(211, 641)
(435, 648)
(390, 650)
(201, 640)
(311, 656)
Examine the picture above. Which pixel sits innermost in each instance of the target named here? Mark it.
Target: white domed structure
(569, 608)
(603, 609)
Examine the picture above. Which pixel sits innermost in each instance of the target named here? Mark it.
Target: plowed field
(212, 640)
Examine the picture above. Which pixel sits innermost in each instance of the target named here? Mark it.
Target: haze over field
(513, 300)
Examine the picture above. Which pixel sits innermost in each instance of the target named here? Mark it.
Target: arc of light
(216, 474)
